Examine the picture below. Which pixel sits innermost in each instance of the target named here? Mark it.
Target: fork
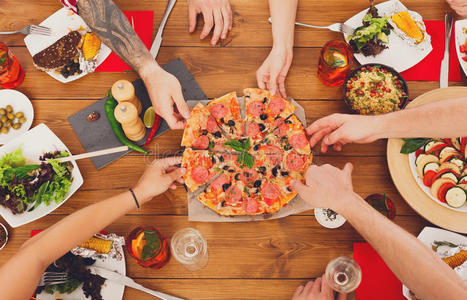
(31, 29)
(337, 27)
(50, 278)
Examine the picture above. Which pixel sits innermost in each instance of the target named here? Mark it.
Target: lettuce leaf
(14, 159)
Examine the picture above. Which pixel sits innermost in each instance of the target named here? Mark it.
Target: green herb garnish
(244, 158)
(211, 144)
(412, 145)
(152, 244)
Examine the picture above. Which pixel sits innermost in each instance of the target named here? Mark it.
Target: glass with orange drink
(334, 63)
(147, 246)
(11, 72)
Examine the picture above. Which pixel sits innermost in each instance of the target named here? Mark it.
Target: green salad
(372, 37)
(23, 187)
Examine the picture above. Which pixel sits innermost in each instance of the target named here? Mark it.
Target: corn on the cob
(457, 259)
(405, 23)
(91, 45)
(99, 245)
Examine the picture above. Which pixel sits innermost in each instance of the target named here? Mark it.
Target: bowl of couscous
(374, 89)
(3, 236)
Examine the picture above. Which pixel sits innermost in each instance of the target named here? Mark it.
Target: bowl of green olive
(16, 114)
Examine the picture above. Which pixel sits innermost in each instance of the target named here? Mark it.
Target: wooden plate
(405, 182)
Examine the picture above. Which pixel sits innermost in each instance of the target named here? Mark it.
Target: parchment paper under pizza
(241, 154)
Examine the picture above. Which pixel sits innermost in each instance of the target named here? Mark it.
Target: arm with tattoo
(111, 25)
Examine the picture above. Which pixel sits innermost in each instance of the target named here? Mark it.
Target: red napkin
(143, 22)
(429, 68)
(378, 281)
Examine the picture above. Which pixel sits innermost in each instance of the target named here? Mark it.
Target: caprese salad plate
(439, 167)
(432, 178)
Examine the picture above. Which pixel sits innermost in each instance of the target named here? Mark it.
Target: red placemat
(429, 68)
(378, 281)
(143, 22)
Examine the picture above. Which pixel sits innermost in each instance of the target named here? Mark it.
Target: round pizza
(244, 166)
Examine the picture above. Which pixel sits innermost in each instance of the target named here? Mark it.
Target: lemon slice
(149, 117)
(335, 58)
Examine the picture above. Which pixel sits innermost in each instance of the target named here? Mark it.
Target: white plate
(109, 291)
(400, 54)
(61, 22)
(34, 143)
(430, 234)
(19, 102)
(426, 189)
(460, 40)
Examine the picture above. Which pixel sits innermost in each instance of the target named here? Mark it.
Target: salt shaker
(124, 91)
(127, 115)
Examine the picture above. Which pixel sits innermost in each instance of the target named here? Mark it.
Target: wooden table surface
(246, 260)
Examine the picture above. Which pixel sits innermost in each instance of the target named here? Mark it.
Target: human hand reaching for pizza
(164, 172)
(337, 130)
(272, 73)
(216, 13)
(316, 290)
(165, 91)
(326, 186)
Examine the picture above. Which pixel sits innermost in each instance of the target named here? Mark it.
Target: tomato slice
(443, 190)
(418, 152)
(463, 145)
(438, 174)
(449, 142)
(269, 201)
(428, 178)
(435, 150)
(463, 48)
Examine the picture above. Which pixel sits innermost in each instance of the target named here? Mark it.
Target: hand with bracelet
(37, 253)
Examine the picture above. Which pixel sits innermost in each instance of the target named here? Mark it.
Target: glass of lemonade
(334, 63)
(147, 246)
(190, 248)
(343, 274)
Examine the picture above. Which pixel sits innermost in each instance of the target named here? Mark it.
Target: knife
(444, 75)
(156, 45)
(124, 280)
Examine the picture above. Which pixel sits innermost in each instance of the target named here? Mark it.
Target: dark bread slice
(59, 54)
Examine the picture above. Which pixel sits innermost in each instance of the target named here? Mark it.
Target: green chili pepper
(110, 105)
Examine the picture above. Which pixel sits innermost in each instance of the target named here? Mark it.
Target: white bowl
(19, 102)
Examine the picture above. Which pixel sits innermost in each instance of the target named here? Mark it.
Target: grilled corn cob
(99, 245)
(91, 46)
(405, 23)
(457, 259)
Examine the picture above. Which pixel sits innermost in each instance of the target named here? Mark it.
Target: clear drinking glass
(190, 248)
(343, 274)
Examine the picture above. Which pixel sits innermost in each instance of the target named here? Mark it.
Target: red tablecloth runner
(143, 22)
(378, 281)
(429, 68)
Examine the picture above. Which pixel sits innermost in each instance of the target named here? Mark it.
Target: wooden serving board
(405, 182)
